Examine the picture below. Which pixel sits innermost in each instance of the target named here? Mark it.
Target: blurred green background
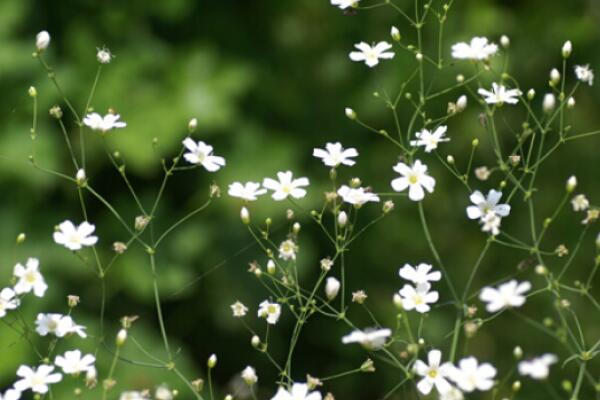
(268, 81)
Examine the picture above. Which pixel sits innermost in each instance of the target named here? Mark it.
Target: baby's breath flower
(549, 103)
(42, 40)
(245, 215)
(288, 250)
(75, 237)
(539, 367)
(119, 247)
(509, 294)
(299, 391)
(356, 196)
(584, 74)
(334, 154)
(212, 361)
(104, 56)
(121, 337)
(270, 311)
(350, 113)
(359, 296)
(482, 173)
(248, 191)
(421, 274)
(567, 48)
(332, 287)
(461, 103)
(500, 95)
(570, 102)
(470, 375)
(326, 264)
(30, 278)
(8, 301)
(434, 373)
(239, 309)
(504, 41)
(592, 215)
(36, 380)
(554, 77)
(249, 376)
(430, 140)
(478, 49)
(414, 178)
(73, 363)
(571, 183)
(395, 34)
(103, 124)
(371, 54)
(371, 338)
(344, 4)
(286, 186)
(418, 298)
(200, 153)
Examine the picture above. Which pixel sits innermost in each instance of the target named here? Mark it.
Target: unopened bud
(518, 352)
(245, 215)
(388, 206)
(567, 49)
(342, 219)
(398, 301)
(332, 287)
(212, 361)
(255, 341)
(461, 103)
(296, 228)
(350, 113)
(516, 386)
(21, 238)
(72, 301)
(367, 366)
(571, 184)
(530, 94)
(395, 33)
(271, 267)
(121, 337)
(554, 77)
(42, 40)
(570, 102)
(80, 177)
(32, 91)
(192, 125)
(504, 41)
(549, 103)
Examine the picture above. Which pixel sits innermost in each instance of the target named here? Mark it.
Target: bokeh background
(268, 81)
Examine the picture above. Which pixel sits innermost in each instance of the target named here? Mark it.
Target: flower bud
(518, 352)
(571, 184)
(21, 238)
(80, 177)
(450, 159)
(245, 215)
(32, 91)
(530, 94)
(249, 376)
(567, 49)
(332, 287)
(42, 40)
(296, 228)
(255, 341)
(367, 366)
(350, 113)
(419, 57)
(72, 301)
(460, 78)
(192, 125)
(554, 77)
(395, 33)
(342, 219)
(228, 397)
(212, 361)
(504, 41)
(516, 386)
(549, 103)
(461, 103)
(121, 337)
(541, 270)
(271, 267)
(398, 301)
(570, 102)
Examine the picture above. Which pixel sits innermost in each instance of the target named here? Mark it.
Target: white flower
(286, 186)
(478, 49)
(509, 294)
(287, 250)
(430, 140)
(270, 311)
(104, 56)
(414, 178)
(163, 392)
(334, 155)
(30, 278)
(500, 95)
(248, 191)
(332, 287)
(356, 196)
(239, 309)
(11, 394)
(371, 54)
(469, 375)
(42, 40)
(539, 367)
(299, 391)
(452, 394)
(202, 154)
(482, 205)
(36, 380)
(371, 339)
(249, 375)
(343, 4)
(104, 124)
(72, 362)
(418, 298)
(490, 222)
(133, 395)
(7, 301)
(584, 74)
(433, 374)
(420, 274)
(74, 238)
(58, 325)
(580, 203)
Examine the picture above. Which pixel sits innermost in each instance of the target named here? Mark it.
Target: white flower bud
(121, 337)
(249, 376)
(245, 215)
(504, 41)
(255, 341)
(598, 241)
(554, 77)
(42, 40)
(228, 397)
(571, 183)
(80, 177)
(549, 103)
(518, 352)
(570, 102)
(395, 33)
(332, 287)
(460, 78)
(419, 56)
(271, 267)
(163, 393)
(342, 219)
(450, 159)
(461, 103)
(398, 301)
(212, 361)
(193, 124)
(567, 49)
(530, 94)
(296, 228)
(103, 56)
(32, 91)
(91, 377)
(350, 113)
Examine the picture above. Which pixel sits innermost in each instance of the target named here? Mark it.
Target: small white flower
(239, 309)
(584, 74)
(343, 4)
(356, 196)
(332, 287)
(163, 392)
(461, 103)
(539, 367)
(202, 154)
(300, 391)
(371, 339)
(104, 56)
(421, 274)
(371, 54)
(270, 311)
(11, 394)
(478, 49)
(509, 294)
(286, 186)
(434, 373)
(414, 178)
(248, 191)
(430, 140)
(469, 375)
(73, 363)
(500, 95)
(452, 394)
(30, 278)
(334, 154)
(104, 124)
(75, 238)
(490, 222)
(249, 375)
(42, 40)
(8, 301)
(288, 250)
(58, 325)
(580, 203)
(482, 205)
(133, 395)
(418, 298)
(36, 380)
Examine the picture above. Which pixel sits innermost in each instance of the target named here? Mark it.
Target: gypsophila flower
(11, 394)
(580, 203)
(509, 294)
(239, 309)
(133, 395)
(490, 222)
(8, 301)
(104, 56)
(73, 363)
(36, 380)
(30, 278)
(434, 373)
(414, 178)
(371, 339)
(356, 196)
(270, 311)
(103, 124)
(592, 215)
(287, 250)
(452, 394)
(421, 274)
(75, 237)
(470, 375)
(539, 367)
(248, 191)
(334, 154)
(163, 392)
(371, 54)
(249, 375)
(482, 205)
(286, 186)
(478, 49)
(332, 287)
(500, 95)
(482, 173)
(430, 140)
(300, 391)
(58, 325)
(200, 153)
(42, 40)
(344, 4)
(584, 74)
(418, 298)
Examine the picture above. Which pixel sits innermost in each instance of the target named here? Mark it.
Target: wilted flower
(584, 74)
(371, 54)
(249, 376)
(239, 309)
(580, 203)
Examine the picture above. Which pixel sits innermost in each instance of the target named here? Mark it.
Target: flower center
(418, 299)
(30, 277)
(413, 179)
(433, 373)
(271, 309)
